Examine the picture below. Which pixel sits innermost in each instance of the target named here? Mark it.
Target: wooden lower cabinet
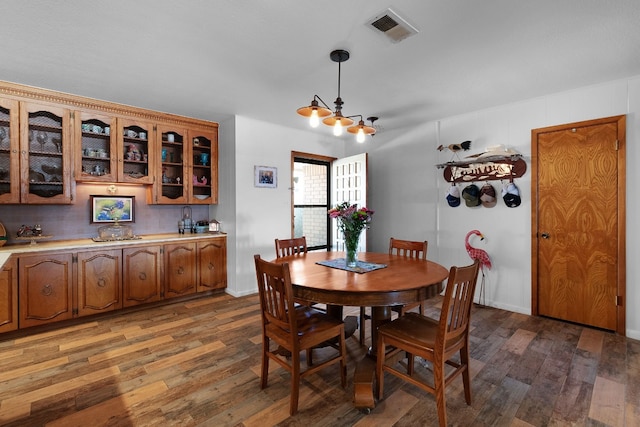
(99, 281)
(46, 286)
(51, 286)
(179, 269)
(212, 265)
(141, 275)
(9, 296)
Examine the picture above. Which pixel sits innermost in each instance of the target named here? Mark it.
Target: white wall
(395, 180)
(262, 214)
(225, 210)
(401, 187)
(407, 191)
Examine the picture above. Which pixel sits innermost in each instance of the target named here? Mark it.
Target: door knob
(545, 235)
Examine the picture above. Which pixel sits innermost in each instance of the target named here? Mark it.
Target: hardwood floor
(197, 363)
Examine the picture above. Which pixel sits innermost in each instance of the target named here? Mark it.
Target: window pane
(312, 223)
(311, 201)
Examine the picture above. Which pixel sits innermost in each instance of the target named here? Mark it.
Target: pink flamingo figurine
(478, 254)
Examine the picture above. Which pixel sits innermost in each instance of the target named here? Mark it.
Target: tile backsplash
(73, 221)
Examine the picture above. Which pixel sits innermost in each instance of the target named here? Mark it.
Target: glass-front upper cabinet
(172, 180)
(135, 152)
(96, 153)
(9, 150)
(204, 171)
(45, 154)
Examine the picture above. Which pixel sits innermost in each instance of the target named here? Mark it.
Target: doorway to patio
(317, 184)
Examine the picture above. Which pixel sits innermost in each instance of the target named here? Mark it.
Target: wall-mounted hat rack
(489, 168)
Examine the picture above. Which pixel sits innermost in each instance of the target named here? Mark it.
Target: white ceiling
(264, 59)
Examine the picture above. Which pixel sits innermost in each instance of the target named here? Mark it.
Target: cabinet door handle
(142, 276)
(47, 290)
(545, 235)
(211, 266)
(102, 283)
(180, 270)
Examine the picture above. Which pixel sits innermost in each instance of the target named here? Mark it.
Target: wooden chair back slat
(276, 294)
(456, 306)
(408, 248)
(288, 247)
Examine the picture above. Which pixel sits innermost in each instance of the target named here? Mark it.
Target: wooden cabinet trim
(21, 92)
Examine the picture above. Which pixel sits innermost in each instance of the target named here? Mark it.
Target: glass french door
(349, 184)
(318, 183)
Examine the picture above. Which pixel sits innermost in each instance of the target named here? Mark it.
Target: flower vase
(351, 246)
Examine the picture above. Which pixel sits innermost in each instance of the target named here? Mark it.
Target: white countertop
(88, 244)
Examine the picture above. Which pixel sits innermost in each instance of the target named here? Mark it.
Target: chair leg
(309, 357)
(439, 385)
(410, 360)
(265, 362)
(343, 360)
(466, 376)
(295, 383)
(363, 316)
(379, 364)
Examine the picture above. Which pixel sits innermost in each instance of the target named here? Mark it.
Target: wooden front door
(578, 222)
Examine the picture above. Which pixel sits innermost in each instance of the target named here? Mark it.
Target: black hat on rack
(471, 195)
(511, 195)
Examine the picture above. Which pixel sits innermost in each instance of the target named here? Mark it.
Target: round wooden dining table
(402, 280)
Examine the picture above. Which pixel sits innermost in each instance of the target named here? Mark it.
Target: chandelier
(315, 111)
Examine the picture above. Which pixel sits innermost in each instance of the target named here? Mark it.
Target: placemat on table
(361, 267)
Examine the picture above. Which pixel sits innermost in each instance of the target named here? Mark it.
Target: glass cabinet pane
(172, 156)
(201, 178)
(7, 172)
(45, 154)
(96, 149)
(135, 153)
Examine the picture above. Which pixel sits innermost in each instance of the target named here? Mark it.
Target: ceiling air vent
(391, 25)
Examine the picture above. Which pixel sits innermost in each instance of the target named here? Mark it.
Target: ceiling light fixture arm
(315, 100)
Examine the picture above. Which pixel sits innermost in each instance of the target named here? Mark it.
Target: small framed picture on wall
(265, 176)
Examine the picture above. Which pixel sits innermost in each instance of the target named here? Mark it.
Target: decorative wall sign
(485, 170)
(265, 176)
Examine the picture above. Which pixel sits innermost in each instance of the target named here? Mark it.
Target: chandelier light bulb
(337, 128)
(360, 135)
(314, 119)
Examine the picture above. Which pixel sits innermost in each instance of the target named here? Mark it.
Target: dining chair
(436, 341)
(288, 247)
(409, 249)
(295, 246)
(294, 328)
